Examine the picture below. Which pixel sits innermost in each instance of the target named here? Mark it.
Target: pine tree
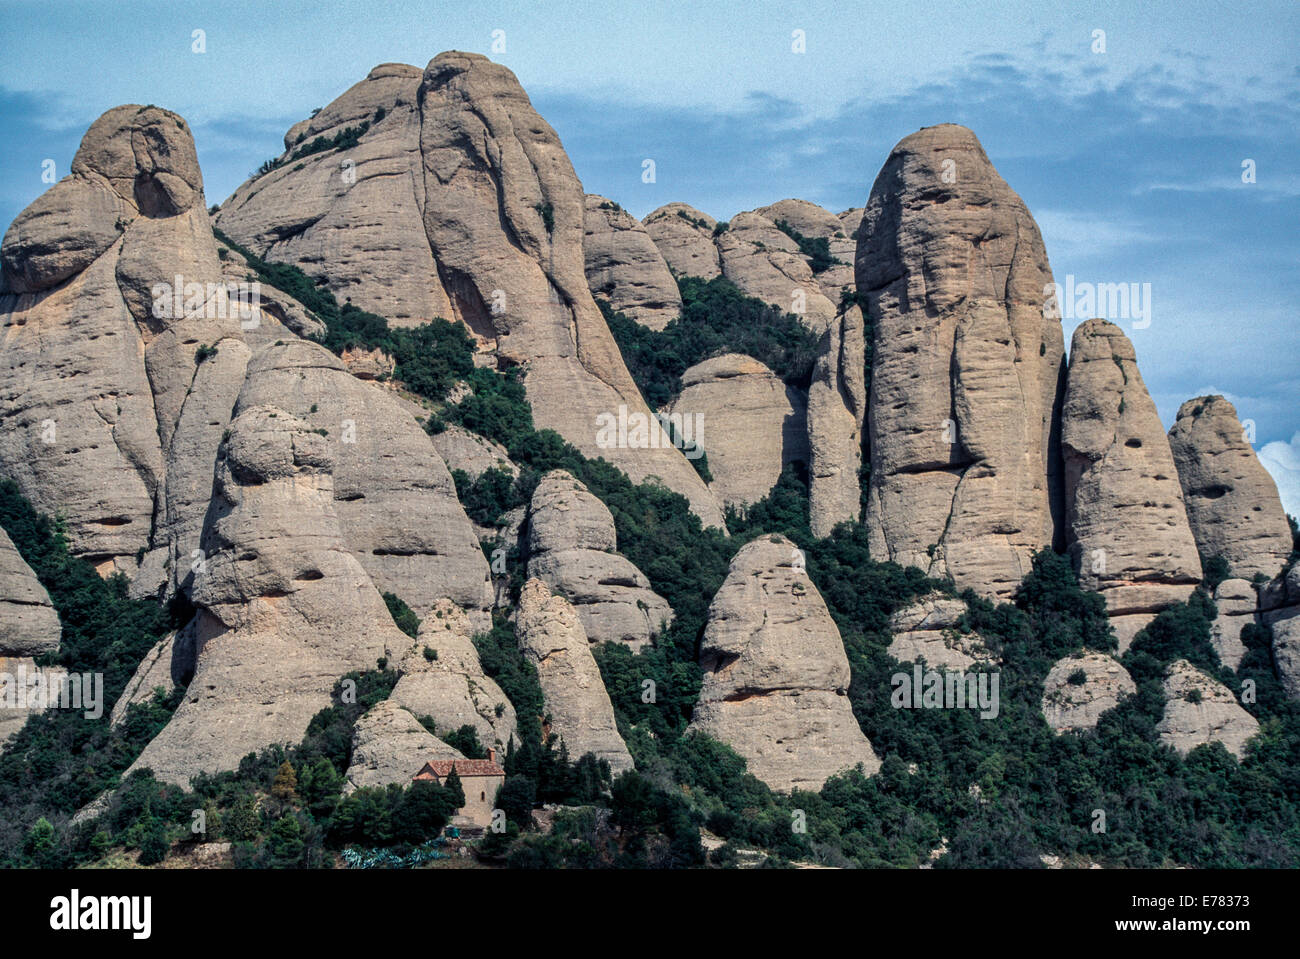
(285, 786)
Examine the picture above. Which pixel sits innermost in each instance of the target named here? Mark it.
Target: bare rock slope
(571, 542)
(284, 607)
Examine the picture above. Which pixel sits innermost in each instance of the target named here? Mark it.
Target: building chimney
(492, 754)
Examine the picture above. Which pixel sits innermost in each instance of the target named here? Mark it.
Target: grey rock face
(1232, 501)
(551, 636)
(927, 630)
(1127, 526)
(625, 268)
(1236, 602)
(29, 626)
(390, 746)
(460, 202)
(111, 285)
(764, 262)
(684, 237)
(393, 495)
(966, 370)
(571, 542)
(775, 673)
(751, 425)
(451, 687)
(1200, 710)
(285, 609)
(1279, 604)
(1069, 705)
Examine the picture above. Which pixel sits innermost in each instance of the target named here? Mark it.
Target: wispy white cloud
(1282, 460)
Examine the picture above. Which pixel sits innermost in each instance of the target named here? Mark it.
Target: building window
(482, 797)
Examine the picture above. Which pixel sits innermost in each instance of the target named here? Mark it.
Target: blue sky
(1130, 159)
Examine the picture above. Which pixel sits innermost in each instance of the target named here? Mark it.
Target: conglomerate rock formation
(458, 201)
(775, 673)
(571, 542)
(966, 368)
(1127, 525)
(1232, 502)
(285, 608)
(750, 424)
(552, 638)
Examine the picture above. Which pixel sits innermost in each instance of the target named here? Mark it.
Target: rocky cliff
(752, 424)
(1232, 502)
(966, 366)
(571, 543)
(552, 638)
(121, 355)
(1127, 526)
(285, 608)
(451, 197)
(625, 268)
(775, 673)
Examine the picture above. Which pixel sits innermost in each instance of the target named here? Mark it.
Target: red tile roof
(441, 768)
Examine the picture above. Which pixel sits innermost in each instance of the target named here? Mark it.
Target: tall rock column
(121, 354)
(1127, 526)
(966, 366)
(552, 638)
(1232, 502)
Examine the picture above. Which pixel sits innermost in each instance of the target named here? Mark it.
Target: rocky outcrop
(928, 630)
(1081, 687)
(1236, 602)
(1279, 605)
(966, 366)
(154, 673)
(472, 454)
(442, 678)
(394, 497)
(29, 625)
(749, 423)
(571, 543)
(26, 693)
(837, 396)
(1232, 502)
(279, 314)
(684, 237)
(390, 746)
(625, 268)
(1127, 526)
(837, 410)
(764, 262)
(122, 353)
(284, 607)
(553, 640)
(457, 200)
(775, 673)
(1201, 710)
